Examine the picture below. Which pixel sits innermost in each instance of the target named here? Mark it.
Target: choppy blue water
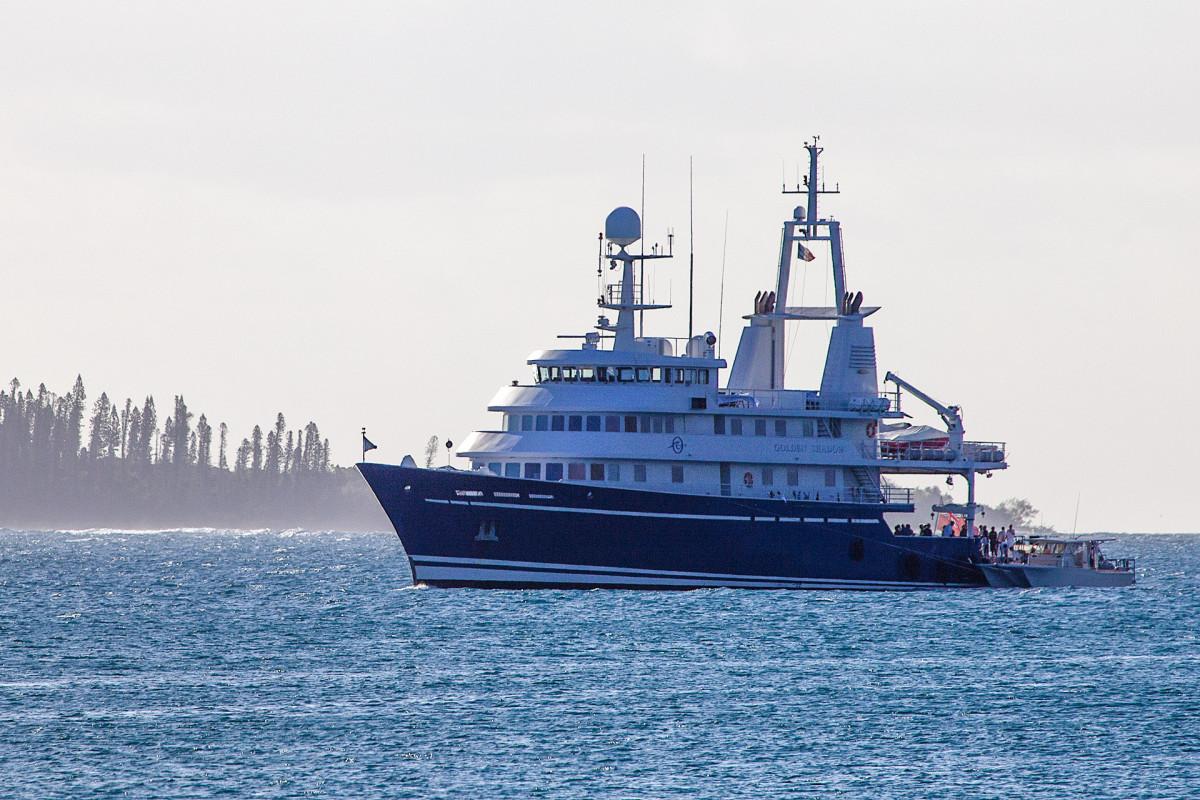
(284, 664)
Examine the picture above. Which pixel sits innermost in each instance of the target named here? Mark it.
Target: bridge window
(676, 473)
(735, 426)
(512, 470)
(806, 427)
(625, 374)
(556, 422)
(511, 422)
(643, 374)
(669, 424)
(575, 472)
(533, 471)
(656, 374)
(719, 425)
(658, 424)
(760, 427)
(612, 424)
(768, 475)
(631, 424)
(574, 423)
(587, 374)
(646, 424)
(554, 472)
(702, 376)
(570, 374)
(526, 422)
(639, 473)
(781, 427)
(793, 476)
(593, 423)
(494, 467)
(830, 477)
(543, 374)
(597, 472)
(614, 472)
(543, 422)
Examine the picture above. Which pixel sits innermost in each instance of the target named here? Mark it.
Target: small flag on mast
(803, 252)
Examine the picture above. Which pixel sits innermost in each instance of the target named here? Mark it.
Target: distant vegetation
(118, 465)
(1014, 511)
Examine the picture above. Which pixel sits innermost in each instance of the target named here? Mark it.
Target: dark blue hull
(475, 529)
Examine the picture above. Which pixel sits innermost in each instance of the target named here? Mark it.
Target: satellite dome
(623, 226)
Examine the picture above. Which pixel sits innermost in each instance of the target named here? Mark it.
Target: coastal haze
(370, 216)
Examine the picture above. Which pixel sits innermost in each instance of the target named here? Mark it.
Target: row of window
(767, 476)
(665, 375)
(665, 423)
(739, 426)
(576, 471)
(609, 423)
(612, 472)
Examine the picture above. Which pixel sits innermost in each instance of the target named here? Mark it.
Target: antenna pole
(691, 248)
(721, 302)
(642, 251)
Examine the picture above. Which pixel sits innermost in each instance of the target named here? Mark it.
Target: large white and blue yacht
(640, 461)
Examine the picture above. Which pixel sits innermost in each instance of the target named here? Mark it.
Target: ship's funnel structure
(850, 361)
(755, 359)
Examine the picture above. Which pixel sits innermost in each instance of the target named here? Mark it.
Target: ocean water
(303, 664)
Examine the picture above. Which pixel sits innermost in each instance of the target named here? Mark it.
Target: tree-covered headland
(65, 463)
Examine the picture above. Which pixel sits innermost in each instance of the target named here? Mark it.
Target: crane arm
(951, 415)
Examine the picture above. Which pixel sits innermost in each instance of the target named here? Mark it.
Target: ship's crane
(951, 415)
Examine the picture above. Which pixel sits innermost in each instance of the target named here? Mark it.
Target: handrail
(975, 452)
(852, 494)
(812, 400)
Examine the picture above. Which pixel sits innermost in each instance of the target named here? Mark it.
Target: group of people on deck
(996, 544)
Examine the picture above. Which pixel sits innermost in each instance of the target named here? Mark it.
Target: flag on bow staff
(367, 444)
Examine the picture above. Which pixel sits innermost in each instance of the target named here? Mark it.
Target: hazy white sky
(370, 213)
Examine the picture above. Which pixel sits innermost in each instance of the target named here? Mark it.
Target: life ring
(871, 427)
(748, 479)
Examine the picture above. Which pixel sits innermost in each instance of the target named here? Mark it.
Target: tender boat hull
(479, 530)
(1026, 576)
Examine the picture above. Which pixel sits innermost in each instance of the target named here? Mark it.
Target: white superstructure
(627, 410)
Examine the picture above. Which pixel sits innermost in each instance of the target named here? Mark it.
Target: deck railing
(808, 400)
(852, 494)
(977, 452)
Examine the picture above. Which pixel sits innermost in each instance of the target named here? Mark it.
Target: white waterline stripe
(526, 577)
(484, 562)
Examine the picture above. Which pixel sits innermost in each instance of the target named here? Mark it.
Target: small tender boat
(1048, 561)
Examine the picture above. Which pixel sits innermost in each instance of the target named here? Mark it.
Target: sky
(369, 214)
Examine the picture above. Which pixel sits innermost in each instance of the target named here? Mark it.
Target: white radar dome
(623, 226)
